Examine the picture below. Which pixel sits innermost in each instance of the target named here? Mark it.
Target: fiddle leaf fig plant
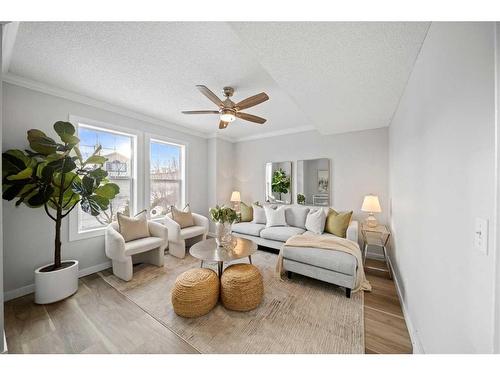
(53, 175)
(280, 182)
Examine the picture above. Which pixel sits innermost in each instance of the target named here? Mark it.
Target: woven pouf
(195, 292)
(241, 287)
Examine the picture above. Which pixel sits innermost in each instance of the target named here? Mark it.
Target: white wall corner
(8, 40)
(415, 341)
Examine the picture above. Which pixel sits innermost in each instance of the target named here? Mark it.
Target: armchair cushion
(192, 231)
(143, 244)
(184, 219)
(133, 228)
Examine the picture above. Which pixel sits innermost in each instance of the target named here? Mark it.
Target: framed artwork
(323, 181)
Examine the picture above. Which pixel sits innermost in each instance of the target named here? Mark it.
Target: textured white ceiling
(344, 76)
(334, 76)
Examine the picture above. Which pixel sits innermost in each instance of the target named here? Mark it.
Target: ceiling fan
(229, 110)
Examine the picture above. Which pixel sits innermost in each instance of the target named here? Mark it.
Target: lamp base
(371, 221)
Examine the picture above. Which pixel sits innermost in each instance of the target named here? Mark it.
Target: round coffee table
(208, 251)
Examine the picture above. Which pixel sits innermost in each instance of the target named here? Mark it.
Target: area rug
(300, 315)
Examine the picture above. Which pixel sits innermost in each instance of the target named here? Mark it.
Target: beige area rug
(300, 315)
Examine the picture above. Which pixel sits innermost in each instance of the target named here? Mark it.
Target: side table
(376, 236)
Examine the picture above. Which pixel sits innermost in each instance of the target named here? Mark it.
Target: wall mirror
(313, 182)
(279, 182)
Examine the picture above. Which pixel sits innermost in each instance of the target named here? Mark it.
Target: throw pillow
(133, 228)
(183, 218)
(259, 214)
(315, 221)
(337, 223)
(296, 216)
(246, 212)
(275, 217)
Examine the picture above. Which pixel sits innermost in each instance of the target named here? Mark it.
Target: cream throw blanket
(329, 243)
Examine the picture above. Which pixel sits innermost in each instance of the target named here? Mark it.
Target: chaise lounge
(331, 266)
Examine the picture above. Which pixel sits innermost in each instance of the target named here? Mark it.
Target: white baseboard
(25, 290)
(415, 341)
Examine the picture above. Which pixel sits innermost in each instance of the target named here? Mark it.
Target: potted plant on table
(54, 175)
(223, 217)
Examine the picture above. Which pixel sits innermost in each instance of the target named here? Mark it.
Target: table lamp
(371, 205)
(236, 199)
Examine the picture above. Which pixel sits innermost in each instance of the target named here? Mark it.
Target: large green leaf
(98, 175)
(41, 197)
(63, 165)
(11, 164)
(109, 190)
(68, 178)
(101, 201)
(26, 193)
(64, 128)
(41, 143)
(23, 175)
(12, 191)
(96, 159)
(90, 206)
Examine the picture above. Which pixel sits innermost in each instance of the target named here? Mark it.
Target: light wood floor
(98, 319)
(385, 327)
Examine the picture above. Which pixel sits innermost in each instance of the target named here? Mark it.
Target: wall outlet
(481, 236)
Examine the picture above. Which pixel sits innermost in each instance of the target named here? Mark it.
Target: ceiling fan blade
(252, 118)
(223, 125)
(252, 101)
(210, 95)
(200, 112)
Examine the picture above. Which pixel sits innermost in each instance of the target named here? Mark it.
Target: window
(119, 149)
(166, 176)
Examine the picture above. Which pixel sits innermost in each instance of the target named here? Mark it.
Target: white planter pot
(56, 285)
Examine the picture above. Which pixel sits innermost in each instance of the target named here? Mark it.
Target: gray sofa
(331, 266)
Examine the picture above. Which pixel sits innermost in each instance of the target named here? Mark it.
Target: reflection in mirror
(279, 182)
(313, 182)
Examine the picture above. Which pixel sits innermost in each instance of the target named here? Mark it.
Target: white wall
(28, 233)
(442, 141)
(220, 173)
(358, 165)
(1, 220)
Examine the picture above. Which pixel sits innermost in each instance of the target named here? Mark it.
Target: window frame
(150, 137)
(74, 233)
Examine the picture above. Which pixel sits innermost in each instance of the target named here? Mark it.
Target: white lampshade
(371, 204)
(235, 197)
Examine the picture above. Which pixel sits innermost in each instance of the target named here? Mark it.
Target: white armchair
(144, 250)
(177, 237)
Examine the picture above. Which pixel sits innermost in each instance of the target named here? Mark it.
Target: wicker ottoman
(195, 292)
(241, 287)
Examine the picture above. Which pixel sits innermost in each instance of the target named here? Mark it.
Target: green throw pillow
(337, 223)
(246, 212)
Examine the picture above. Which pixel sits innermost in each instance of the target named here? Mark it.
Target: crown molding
(277, 133)
(69, 95)
(61, 93)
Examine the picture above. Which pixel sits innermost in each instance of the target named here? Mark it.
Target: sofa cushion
(337, 223)
(275, 217)
(280, 233)
(143, 244)
(246, 212)
(296, 216)
(251, 229)
(259, 215)
(192, 231)
(337, 261)
(315, 221)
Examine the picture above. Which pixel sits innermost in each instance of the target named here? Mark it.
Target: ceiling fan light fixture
(227, 115)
